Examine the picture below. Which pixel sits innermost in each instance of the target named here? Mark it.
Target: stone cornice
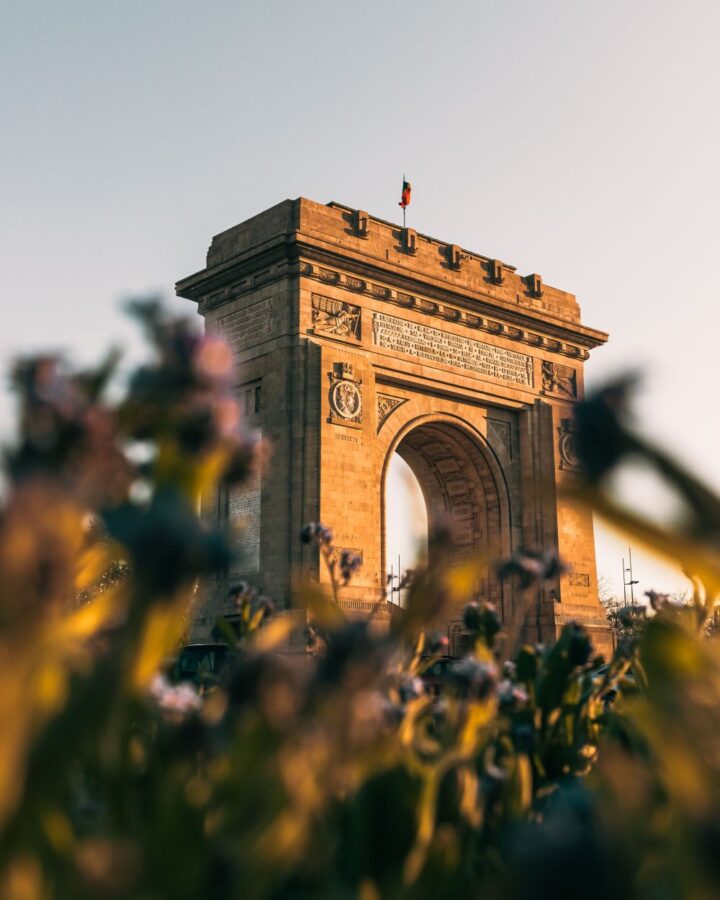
(473, 310)
(202, 285)
(297, 254)
(447, 312)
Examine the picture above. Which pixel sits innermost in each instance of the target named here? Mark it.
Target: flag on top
(406, 191)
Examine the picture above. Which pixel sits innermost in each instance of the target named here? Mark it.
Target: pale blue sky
(577, 139)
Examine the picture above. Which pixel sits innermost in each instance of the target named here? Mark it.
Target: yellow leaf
(163, 629)
(57, 828)
(50, 687)
(276, 632)
(524, 781)
(92, 562)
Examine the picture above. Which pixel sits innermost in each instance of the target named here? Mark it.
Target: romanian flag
(406, 191)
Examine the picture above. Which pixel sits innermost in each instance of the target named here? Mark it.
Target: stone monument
(356, 339)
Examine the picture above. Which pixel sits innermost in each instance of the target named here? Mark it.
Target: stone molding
(441, 310)
(210, 299)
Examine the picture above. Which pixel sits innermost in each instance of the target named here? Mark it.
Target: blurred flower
(482, 621)
(108, 866)
(658, 601)
(410, 688)
(354, 653)
(316, 532)
(510, 695)
(239, 592)
(524, 735)
(254, 606)
(350, 563)
(578, 643)
(213, 360)
(174, 698)
(437, 644)
(65, 432)
(473, 679)
(601, 436)
(531, 566)
(167, 544)
(367, 713)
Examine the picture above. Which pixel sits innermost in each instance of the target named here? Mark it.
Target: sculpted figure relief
(335, 317)
(559, 379)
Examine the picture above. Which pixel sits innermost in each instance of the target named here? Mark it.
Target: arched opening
(406, 526)
(463, 493)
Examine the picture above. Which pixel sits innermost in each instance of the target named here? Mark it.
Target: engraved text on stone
(451, 349)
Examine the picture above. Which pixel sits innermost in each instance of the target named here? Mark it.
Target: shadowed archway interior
(462, 497)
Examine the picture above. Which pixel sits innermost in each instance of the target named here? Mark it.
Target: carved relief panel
(579, 579)
(557, 379)
(386, 406)
(335, 318)
(500, 436)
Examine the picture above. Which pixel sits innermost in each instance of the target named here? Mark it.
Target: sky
(572, 138)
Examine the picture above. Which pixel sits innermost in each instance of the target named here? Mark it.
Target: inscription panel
(580, 579)
(439, 346)
(247, 327)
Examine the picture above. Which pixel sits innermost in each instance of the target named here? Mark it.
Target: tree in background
(626, 620)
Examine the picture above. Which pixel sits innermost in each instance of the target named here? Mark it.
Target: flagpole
(404, 208)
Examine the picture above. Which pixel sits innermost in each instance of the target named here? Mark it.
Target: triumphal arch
(356, 338)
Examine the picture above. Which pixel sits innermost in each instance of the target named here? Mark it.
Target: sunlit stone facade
(356, 338)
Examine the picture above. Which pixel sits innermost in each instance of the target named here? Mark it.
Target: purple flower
(316, 532)
(350, 563)
(531, 566)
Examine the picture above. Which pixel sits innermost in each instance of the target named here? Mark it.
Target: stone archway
(465, 493)
(355, 337)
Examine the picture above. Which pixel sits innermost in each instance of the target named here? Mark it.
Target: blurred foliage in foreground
(335, 774)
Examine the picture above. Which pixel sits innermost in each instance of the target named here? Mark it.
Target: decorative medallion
(558, 379)
(386, 406)
(345, 395)
(566, 445)
(346, 400)
(335, 317)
